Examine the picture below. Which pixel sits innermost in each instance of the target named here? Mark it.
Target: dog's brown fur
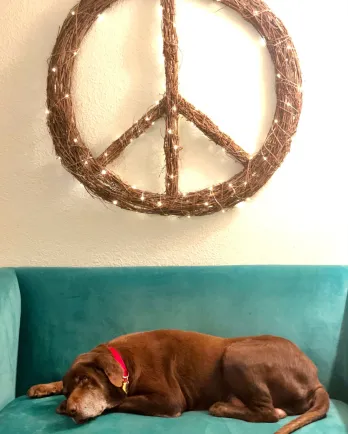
(256, 379)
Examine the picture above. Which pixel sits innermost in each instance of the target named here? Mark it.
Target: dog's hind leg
(235, 410)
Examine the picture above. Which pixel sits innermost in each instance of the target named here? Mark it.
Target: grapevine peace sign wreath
(100, 182)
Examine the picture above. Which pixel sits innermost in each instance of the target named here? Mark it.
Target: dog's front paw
(42, 390)
(37, 391)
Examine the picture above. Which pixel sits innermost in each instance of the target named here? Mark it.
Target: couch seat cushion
(24, 416)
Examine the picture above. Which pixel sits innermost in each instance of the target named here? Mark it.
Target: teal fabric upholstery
(9, 333)
(68, 311)
(37, 417)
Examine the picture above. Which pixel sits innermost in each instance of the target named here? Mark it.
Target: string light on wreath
(240, 205)
(91, 171)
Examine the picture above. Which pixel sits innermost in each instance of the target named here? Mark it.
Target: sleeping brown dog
(166, 372)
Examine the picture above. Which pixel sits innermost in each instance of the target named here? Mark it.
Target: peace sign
(100, 182)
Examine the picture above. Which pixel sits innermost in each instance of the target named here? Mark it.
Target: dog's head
(92, 385)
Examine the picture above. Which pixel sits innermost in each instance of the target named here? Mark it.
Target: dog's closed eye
(82, 379)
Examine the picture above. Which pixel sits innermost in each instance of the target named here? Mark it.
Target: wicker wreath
(93, 173)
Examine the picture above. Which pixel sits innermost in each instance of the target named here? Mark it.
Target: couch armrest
(10, 312)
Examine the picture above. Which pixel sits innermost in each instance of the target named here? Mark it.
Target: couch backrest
(69, 311)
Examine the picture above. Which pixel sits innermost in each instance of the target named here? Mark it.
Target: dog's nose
(72, 409)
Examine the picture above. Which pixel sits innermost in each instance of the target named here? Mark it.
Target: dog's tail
(320, 406)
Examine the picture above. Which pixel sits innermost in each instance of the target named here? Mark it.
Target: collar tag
(125, 385)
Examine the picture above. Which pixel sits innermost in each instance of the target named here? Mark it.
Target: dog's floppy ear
(111, 368)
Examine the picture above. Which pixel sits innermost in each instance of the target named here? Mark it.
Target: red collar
(117, 356)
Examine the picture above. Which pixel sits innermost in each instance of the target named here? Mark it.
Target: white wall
(47, 218)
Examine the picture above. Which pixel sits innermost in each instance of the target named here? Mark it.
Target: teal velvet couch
(48, 316)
